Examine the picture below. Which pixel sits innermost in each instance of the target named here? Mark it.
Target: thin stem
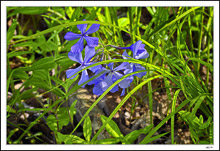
(200, 38)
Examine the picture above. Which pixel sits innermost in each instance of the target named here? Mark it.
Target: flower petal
(71, 72)
(125, 55)
(113, 90)
(84, 78)
(71, 36)
(122, 92)
(78, 46)
(82, 27)
(95, 68)
(89, 53)
(124, 83)
(129, 69)
(113, 78)
(141, 47)
(136, 47)
(92, 29)
(99, 78)
(97, 90)
(110, 65)
(141, 54)
(76, 56)
(122, 66)
(91, 41)
(106, 82)
(138, 67)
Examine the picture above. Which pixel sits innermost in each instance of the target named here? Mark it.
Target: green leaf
(27, 44)
(20, 75)
(44, 63)
(101, 18)
(18, 53)
(52, 122)
(201, 119)
(10, 109)
(48, 46)
(197, 105)
(87, 128)
(112, 128)
(197, 18)
(202, 62)
(73, 110)
(193, 122)
(63, 117)
(28, 94)
(11, 133)
(131, 137)
(69, 139)
(155, 137)
(11, 30)
(108, 141)
(124, 21)
(206, 124)
(65, 62)
(41, 79)
(28, 11)
(69, 11)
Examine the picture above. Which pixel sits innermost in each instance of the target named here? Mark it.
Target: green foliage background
(179, 41)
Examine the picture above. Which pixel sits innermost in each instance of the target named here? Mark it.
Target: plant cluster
(110, 73)
(143, 53)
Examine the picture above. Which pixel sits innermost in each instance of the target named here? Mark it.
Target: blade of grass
(150, 89)
(190, 34)
(173, 116)
(184, 103)
(176, 19)
(54, 104)
(138, 17)
(113, 10)
(155, 137)
(200, 37)
(122, 102)
(76, 23)
(131, 24)
(101, 96)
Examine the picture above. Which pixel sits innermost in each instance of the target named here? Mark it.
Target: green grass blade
(122, 102)
(155, 137)
(172, 117)
(176, 19)
(163, 122)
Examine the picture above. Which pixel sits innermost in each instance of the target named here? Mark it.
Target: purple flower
(91, 41)
(105, 81)
(139, 52)
(89, 53)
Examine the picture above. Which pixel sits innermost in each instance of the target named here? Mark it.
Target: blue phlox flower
(109, 77)
(139, 52)
(91, 41)
(77, 57)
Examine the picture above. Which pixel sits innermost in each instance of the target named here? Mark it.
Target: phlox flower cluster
(110, 72)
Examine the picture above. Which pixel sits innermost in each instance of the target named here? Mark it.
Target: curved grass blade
(122, 102)
(166, 119)
(76, 23)
(176, 19)
(101, 96)
(172, 117)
